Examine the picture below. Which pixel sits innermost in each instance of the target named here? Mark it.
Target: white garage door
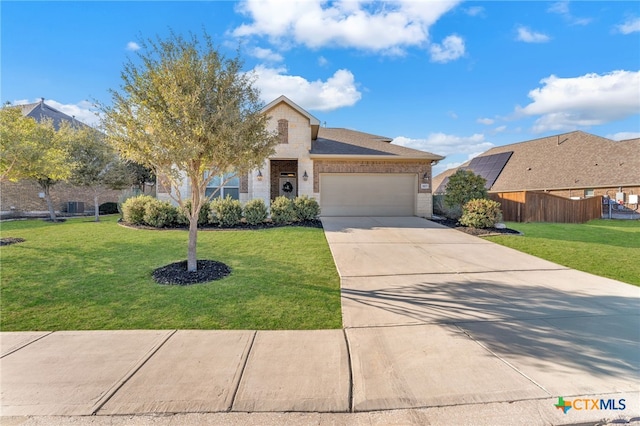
(377, 194)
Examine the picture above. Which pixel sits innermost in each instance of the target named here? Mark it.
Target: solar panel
(490, 166)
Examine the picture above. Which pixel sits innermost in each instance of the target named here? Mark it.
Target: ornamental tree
(464, 186)
(189, 113)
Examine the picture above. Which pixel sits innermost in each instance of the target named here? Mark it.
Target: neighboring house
(350, 173)
(25, 198)
(570, 165)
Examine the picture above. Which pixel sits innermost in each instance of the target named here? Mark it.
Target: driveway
(437, 317)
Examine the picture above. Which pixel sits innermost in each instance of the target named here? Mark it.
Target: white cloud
(266, 54)
(452, 48)
(500, 129)
(322, 61)
(487, 121)
(133, 46)
(475, 11)
(444, 144)
(453, 115)
(631, 25)
(591, 99)
(336, 92)
(562, 8)
(621, 136)
(528, 36)
(373, 26)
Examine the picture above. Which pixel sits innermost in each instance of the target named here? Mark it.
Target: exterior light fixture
(425, 177)
(259, 175)
(305, 176)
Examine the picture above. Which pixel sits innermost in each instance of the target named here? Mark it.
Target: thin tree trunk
(47, 197)
(96, 206)
(192, 263)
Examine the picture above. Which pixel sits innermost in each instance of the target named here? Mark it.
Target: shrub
(463, 186)
(481, 213)
(282, 210)
(203, 216)
(108, 208)
(225, 211)
(306, 208)
(133, 209)
(160, 214)
(255, 211)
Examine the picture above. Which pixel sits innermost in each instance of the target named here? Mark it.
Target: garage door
(374, 194)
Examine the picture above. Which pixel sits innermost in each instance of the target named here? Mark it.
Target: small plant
(108, 208)
(282, 210)
(203, 216)
(160, 214)
(255, 211)
(481, 213)
(133, 209)
(306, 208)
(225, 212)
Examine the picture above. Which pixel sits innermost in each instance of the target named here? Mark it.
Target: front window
(226, 185)
(589, 193)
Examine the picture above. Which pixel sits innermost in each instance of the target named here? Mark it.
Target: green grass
(609, 248)
(81, 275)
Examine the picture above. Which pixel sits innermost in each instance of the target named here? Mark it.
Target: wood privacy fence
(543, 207)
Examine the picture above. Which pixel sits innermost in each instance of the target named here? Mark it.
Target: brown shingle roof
(571, 160)
(336, 141)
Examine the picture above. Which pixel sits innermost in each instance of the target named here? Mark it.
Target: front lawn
(82, 275)
(609, 248)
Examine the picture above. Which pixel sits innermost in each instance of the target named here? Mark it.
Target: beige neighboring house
(570, 165)
(350, 173)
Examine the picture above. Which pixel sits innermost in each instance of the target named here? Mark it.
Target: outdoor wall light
(425, 177)
(305, 176)
(259, 175)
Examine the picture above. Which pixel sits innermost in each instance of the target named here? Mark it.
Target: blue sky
(449, 77)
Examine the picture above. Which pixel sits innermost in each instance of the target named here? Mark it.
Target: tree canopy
(187, 112)
(464, 186)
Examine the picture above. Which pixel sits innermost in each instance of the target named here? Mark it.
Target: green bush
(108, 208)
(282, 210)
(133, 209)
(481, 213)
(203, 216)
(463, 186)
(255, 211)
(160, 214)
(225, 211)
(306, 208)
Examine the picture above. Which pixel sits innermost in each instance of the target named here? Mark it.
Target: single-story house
(571, 165)
(350, 173)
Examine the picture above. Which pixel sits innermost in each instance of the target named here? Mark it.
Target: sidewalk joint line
(244, 366)
(26, 344)
(128, 375)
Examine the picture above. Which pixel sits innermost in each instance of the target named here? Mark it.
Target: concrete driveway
(436, 317)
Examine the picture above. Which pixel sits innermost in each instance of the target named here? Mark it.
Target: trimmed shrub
(481, 213)
(282, 210)
(255, 211)
(203, 216)
(463, 186)
(133, 209)
(108, 208)
(225, 212)
(160, 214)
(306, 208)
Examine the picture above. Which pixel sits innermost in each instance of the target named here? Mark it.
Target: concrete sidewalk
(440, 328)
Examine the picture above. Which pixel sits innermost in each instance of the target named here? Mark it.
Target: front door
(287, 185)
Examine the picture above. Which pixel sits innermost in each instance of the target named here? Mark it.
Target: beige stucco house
(350, 173)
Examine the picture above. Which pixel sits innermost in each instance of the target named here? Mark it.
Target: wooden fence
(543, 207)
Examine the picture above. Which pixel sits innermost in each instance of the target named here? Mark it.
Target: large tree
(189, 113)
(35, 151)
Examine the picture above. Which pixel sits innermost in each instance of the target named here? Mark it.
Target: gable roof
(570, 160)
(338, 142)
(40, 111)
(314, 122)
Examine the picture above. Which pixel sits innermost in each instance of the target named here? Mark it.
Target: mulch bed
(177, 274)
(239, 227)
(10, 240)
(473, 231)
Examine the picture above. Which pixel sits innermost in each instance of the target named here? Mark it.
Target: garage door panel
(367, 194)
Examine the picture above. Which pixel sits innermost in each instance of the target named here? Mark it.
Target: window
(283, 131)
(589, 193)
(230, 188)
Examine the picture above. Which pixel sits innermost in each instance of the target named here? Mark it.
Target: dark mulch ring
(451, 223)
(10, 240)
(315, 223)
(177, 274)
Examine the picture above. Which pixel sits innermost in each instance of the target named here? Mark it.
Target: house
(350, 173)
(571, 165)
(25, 198)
